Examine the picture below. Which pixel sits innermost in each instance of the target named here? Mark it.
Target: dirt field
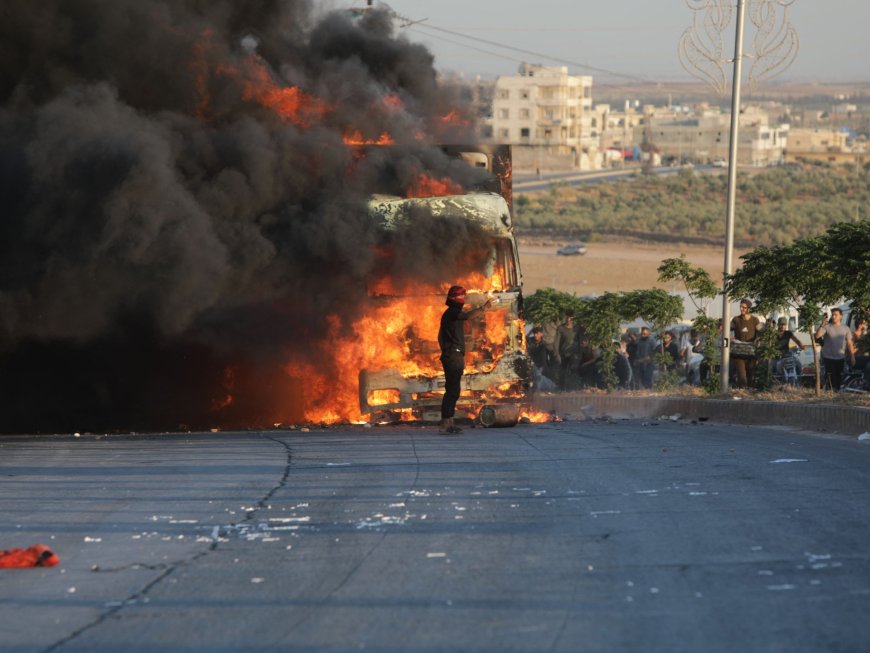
(611, 266)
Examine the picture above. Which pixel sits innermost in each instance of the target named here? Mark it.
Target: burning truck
(386, 360)
(406, 380)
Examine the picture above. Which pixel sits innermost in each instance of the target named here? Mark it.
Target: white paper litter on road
(436, 554)
(788, 460)
(290, 520)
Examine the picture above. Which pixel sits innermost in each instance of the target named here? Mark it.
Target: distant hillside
(774, 207)
(794, 93)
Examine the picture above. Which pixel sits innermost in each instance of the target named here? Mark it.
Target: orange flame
(290, 103)
(453, 118)
(537, 416)
(426, 186)
(395, 333)
(356, 138)
(393, 102)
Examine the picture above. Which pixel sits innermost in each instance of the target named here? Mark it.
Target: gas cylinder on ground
(499, 415)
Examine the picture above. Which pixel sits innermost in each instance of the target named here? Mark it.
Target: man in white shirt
(838, 343)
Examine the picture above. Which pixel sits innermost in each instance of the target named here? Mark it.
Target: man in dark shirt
(670, 346)
(565, 349)
(784, 338)
(644, 359)
(451, 339)
(745, 328)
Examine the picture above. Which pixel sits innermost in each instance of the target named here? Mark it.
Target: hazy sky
(637, 38)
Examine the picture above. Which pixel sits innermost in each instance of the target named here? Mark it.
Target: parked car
(719, 163)
(573, 249)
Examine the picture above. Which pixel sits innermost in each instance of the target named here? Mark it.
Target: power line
(421, 24)
(472, 47)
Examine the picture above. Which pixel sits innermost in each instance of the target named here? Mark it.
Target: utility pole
(732, 190)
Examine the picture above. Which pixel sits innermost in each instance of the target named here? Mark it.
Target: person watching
(837, 346)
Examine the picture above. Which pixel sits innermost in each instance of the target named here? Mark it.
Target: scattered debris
(864, 436)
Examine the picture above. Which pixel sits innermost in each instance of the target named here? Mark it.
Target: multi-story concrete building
(817, 140)
(546, 114)
(703, 136)
(826, 145)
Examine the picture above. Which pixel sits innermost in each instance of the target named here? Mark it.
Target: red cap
(456, 294)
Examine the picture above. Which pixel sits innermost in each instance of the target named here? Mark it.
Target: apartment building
(825, 145)
(703, 136)
(546, 114)
(817, 140)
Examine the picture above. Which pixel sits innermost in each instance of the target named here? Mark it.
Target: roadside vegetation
(805, 276)
(776, 206)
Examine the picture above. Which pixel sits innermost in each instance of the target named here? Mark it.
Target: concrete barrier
(849, 420)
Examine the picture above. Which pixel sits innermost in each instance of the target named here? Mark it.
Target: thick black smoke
(160, 220)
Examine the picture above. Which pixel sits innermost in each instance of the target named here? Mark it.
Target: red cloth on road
(37, 555)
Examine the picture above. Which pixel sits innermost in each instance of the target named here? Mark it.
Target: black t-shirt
(537, 352)
(782, 341)
(674, 350)
(451, 335)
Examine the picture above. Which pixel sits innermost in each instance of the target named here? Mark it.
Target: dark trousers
(643, 375)
(454, 365)
(565, 368)
(744, 368)
(833, 372)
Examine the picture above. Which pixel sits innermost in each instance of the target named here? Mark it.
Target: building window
(504, 114)
(524, 132)
(524, 113)
(524, 94)
(504, 133)
(502, 94)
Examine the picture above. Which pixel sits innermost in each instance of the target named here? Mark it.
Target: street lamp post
(732, 190)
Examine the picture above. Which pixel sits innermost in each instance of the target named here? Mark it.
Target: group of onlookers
(564, 359)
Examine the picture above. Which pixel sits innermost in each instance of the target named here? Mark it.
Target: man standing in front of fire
(451, 338)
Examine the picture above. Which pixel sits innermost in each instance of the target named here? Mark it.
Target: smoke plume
(181, 212)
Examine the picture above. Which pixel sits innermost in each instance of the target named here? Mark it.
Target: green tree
(848, 253)
(799, 276)
(601, 317)
(701, 290)
(549, 305)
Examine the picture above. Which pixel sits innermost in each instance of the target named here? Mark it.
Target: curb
(848, 420)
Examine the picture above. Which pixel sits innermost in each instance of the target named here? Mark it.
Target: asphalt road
(528, 184)
(574, 536)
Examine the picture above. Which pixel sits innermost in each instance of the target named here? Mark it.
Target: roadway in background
(525, 183)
